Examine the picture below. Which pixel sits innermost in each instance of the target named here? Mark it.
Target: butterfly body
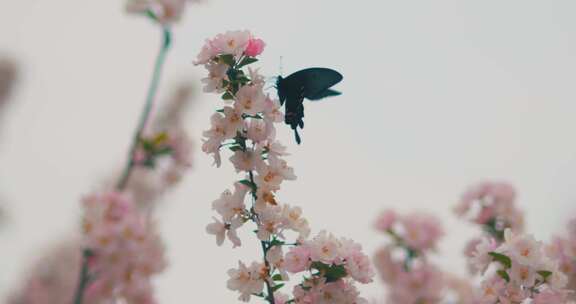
(312, 84)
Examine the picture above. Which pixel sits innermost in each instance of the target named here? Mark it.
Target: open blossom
(250, 99)
(523, 266)
(421, 282)
(327, 249)
(273, 173)
(236, 43)
(322, 292)
(246, 280)
(481, 258)
(167, 11)
(216, 75)
(125, 249)
(522, 247)
(385, 220)
(421, 231)
(496, 206)
(298, 259)
(231, 204)
(232, 42)
(403, 264)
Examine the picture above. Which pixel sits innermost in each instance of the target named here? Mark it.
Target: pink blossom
(126, 249)
(255, 47)
(385, 220)
(422, 231)
(297, 259)
(246, 280)
(231, 42)
(167, 11)
(250, 99)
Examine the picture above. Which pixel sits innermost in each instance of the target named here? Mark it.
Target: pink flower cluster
(492, 205)
(235, 43)
(333, 265)
(403, 264)
(124, 249)
(417, 231)
(522, 271)
(166, 11)
(563, 249)
(164, 153)
(245, 126)
(53, 277)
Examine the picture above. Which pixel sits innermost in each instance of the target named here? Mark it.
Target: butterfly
(312, 84)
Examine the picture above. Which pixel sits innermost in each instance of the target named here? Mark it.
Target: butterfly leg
(298, 140)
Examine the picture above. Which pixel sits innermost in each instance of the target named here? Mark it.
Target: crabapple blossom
(245, 125)
(166, 11)
(523, 271)
(247, 280)
(480, 257)
(53, 277)
(491, 205)
(124, 249)
(164, 154)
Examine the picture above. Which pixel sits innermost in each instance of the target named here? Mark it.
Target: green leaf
(277, 287)
(277, 277)
(227, 59)
(248, 183)
(276, 242)
(501, 258)
(220, 111)
(503, 274)
(235, 148)
(227, 96)
(545, 274)
(332, 273)
(164, 151)
(247, 61)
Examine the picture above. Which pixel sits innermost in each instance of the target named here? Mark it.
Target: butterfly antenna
(280, 67)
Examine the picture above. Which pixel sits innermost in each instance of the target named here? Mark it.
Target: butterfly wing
(311, 83)
(324, 94)
(314, 81)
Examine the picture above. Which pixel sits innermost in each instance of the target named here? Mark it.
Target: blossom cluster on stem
(403, 263)
(245, 127)
(492, 206)
(520, 270)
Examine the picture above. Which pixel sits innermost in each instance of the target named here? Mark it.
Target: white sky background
(437, 95)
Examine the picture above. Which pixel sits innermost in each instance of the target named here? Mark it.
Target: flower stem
(265, 248)
(84, 277)
(160, 60)
(269, 289)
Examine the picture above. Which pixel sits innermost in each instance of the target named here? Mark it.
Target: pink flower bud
(255, 47)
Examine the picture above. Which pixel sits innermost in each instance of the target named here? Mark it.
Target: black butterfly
(312, 84)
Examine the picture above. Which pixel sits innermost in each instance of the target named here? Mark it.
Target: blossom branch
(144, 118)
(331, 265)
(160, 59)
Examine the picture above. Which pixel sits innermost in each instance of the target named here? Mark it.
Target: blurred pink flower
(385, 220)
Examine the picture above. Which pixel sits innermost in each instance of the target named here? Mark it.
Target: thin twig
(160, 60)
